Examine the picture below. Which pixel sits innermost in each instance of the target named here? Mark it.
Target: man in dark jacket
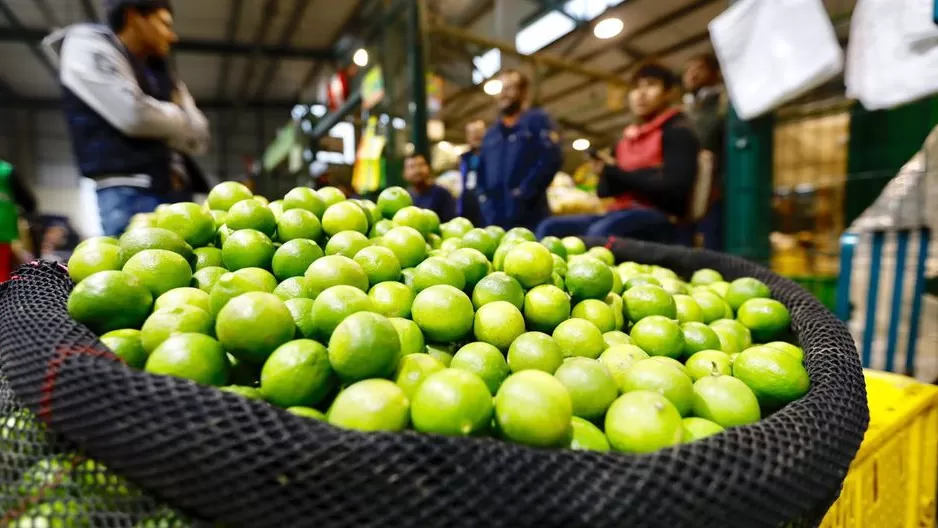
(468, 204)
(425, 193)
(134, 127)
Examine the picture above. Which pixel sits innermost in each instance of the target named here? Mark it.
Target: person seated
(648, 186)
(425, 193)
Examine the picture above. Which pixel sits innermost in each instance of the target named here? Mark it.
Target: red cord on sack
(610, 242)
(52, 372)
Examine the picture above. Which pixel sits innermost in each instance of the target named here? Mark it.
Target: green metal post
(418, 77)
(748, 187)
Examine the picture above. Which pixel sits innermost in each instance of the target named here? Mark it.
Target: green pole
(418, 77)
(748, 187)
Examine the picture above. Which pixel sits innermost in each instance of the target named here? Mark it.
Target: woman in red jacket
(652, 177)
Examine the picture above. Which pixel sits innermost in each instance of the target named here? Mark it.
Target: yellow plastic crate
(892, 481)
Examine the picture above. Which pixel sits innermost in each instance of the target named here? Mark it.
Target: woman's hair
(656, 71)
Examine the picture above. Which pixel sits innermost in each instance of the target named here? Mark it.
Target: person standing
(519, 157)
(468, 204)
(706, 103)
(13, 197)
(424, 192)
(134, 127)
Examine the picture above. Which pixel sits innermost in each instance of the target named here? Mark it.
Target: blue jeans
(642, 224)
(117, 205)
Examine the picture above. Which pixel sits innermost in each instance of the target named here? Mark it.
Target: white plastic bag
(918, 20)
(772, 51)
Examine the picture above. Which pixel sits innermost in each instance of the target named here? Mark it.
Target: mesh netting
(215, 456)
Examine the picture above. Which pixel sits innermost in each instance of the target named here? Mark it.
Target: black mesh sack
(118, 447)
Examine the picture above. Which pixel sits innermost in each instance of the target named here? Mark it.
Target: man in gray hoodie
(134, 127)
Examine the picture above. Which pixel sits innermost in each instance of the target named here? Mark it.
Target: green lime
(442, 353)
(767, 319)
(333, 305)
(407, 277)
(662, 378)
(347, 244)
(381, 228)
(293, 288)
(364, 345)
(481, 241)
(597, 312)
(205, 278)
(431, 221)
(726, 401)
(371, 405)
(530, 264)
(497, 232)
(293, 258)
(443, 313)
(498, 261)
(795, 351)
(616, 337)
(451, 244)
(776, 377)
(573, 245)
(190, 221)
(662, 274)
(697, 428)
(455, 228)
(231, 285)
(126, 345)
(252, 325)
(372, 209)
(591, 387)
(452, 402)
(603, 254)
(413, 370)
(555, 246)
(643, 422)
(534, 408)
(498, 287)
(392, 299)
(742, 334)
(306, 412)
(98, 240)
(688, 311)
(206, 257)
(729, 339)
(330, 195)
(407, 243)
(618, 359)
(297, 374)
(221, 217)
(305, 199)
(707, 363)
(712, 306)
(720, 288)
(579, 338)
(522, 233)
(110, 300)
(473, 264)
(302, 311)
(485, 361)
(380, 264)
(247, 248)
(298, 223)
(560, 266)
(618, 308)
(617, 285)
(251, 214)
(672, 362)
(133, 242)
(93, 258)
(335, 270)
(196, 357)
(410, 336)
(437, 271)
(674, 286)
(588, 278)
(498, 324)
(741, 290)
(647, 301)
(344, 216)
(545, 307)
(534, 351)
(392, 200)
(659, 336)
(641, 280)
(159, 270)
(183, 297)
(222, 235)
(587, 437)
(697, 337)
(627, 270)
(705, 276)
(224, 195)
(163, 324)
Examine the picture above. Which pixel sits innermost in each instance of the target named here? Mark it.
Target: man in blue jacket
(468, 204)
(520, 155)
(134, 127)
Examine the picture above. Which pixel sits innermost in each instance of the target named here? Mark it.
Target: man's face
(512, 95)
(697, 74)
(475, 132)
(416, 170)
(155, 30)
(647, 97)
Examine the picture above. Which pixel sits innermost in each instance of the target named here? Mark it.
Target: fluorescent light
(445, 145)
(398, 123)
(493, 87)
(361, 57)
(581, 144)
(608, 28)
(318, 110)
(298, 112)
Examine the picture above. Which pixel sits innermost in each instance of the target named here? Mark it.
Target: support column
(418, 76)
(748, 187)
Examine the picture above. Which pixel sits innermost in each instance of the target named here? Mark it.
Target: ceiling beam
(34, 36)
(260, 34)
(34, 47)
(475, 13)
(296, 18)
(231, 32)
(89, 10)
(661, 22)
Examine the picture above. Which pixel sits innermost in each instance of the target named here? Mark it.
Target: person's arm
(101, 75)
(446, 208)
(548, 159)
(198, 143)
(669, 186)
